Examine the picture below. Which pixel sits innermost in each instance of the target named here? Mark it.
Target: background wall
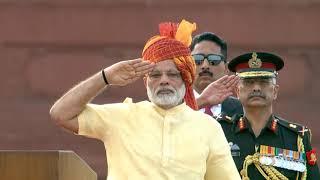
(47, 46)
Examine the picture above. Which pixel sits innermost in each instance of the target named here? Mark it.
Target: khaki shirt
(143, 141)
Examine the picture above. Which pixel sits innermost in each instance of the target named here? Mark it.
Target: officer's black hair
(208, 36)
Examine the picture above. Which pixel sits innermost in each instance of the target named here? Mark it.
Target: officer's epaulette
(299, 129)
(223, 117)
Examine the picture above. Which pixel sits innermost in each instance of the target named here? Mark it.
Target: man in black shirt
(212, 86)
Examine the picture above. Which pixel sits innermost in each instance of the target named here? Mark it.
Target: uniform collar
(242, 124)
(272, 124)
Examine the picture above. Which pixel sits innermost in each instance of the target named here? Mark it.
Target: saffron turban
(173, 43)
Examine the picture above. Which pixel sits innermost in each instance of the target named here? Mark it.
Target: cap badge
(254, 62)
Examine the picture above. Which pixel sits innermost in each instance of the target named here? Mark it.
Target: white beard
(167, 100)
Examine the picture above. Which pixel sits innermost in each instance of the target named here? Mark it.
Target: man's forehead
(206, 46)
(165, 65)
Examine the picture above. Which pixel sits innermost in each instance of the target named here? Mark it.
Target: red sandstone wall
(46, 46)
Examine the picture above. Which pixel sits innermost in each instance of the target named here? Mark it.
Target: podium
(44, 165)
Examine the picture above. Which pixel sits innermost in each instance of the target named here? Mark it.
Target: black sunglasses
(213, 59)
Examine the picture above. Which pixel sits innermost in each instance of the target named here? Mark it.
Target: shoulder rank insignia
(304, 130)
(312, 157)
(292, 125)
(283, 158)
(223, 117)
(299, 129)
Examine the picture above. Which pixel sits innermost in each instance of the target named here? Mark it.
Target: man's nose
(256, 86)
(205, 64)
(164, 80)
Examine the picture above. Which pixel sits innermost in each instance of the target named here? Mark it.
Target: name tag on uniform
(235, 149)
(283, 158)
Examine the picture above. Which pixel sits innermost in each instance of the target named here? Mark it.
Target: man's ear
(237, 90)
(226, 70)
(145, 81)
(276, 91)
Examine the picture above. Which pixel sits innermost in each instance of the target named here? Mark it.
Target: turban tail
(173, 43)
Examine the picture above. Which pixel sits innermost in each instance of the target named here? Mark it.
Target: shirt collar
(196, 94)
(242, 124)
(174, 110)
